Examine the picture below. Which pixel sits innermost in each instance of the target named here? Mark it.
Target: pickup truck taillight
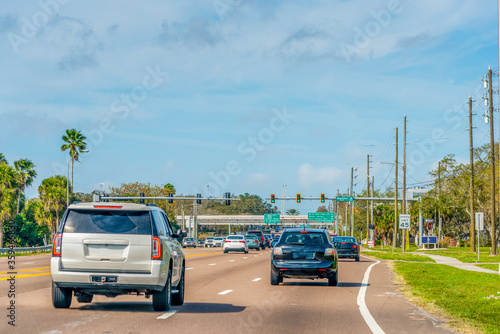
(156, 251)
(56, 247)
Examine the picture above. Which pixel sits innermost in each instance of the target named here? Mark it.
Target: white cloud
(308, 175)
(257, 179)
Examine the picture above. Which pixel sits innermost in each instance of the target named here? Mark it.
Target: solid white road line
(225, 292)
(166, 315)
(256, 280)
(370, 321)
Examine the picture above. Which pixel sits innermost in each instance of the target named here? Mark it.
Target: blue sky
(243, 95)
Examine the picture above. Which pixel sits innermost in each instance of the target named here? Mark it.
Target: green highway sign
(321, 217)
(344, 199)
(272, 218)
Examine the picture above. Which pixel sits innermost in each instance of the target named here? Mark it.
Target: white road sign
(479, 221)
(404, 222)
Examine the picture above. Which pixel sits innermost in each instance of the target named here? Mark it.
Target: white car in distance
(235, 243)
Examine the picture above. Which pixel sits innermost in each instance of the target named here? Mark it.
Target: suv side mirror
(181, 233)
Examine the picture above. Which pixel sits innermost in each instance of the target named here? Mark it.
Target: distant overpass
(246, 220)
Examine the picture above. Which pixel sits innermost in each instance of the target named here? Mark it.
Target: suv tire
(178, 298)
(334, 279)
(258, 249)
(162, 300)
(84, 298)
(61, 297)
(275, 280)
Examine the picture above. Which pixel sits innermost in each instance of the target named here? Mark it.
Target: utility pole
(438, 189)
(494, 237)
(368, 195)
(492, 158)
(394, 228)
(352, 203)
(403, 209)
(283, 201)
(373, 194)
(337, 211)
(471, 190)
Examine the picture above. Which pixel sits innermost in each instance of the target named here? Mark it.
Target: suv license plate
(104, 279)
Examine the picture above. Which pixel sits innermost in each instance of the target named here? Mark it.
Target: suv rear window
(309, 238)
(116, 222)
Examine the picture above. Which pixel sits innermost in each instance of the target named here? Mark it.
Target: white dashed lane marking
(256, 280)
(166, 315)
(225, 292)
(189, 268)
(212, 264)
(231, 260)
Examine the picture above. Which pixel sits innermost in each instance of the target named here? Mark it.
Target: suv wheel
(178, 298)
(334, 279)
(275, 280)
(258, 249)
(61, 297)
(163, 299)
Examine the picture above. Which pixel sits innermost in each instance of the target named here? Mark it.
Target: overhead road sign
(321, 217)
(272, 218)
(344, 199)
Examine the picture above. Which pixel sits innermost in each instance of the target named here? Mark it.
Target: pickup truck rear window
(117, 222)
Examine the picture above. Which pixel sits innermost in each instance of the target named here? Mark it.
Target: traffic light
(322, 198)
(298, 198)
(273, 198)
(170, 201)
(198, 201)
(228, 196)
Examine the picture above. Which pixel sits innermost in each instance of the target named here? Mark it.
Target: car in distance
(209, 242)
(276, 238)
(269, 239)
(347, 247)
(304, 253)
(252, 242)
(260, 237)
(200, 242)
(218, 242)
(188, 242)
(113, 249)
(235, 243)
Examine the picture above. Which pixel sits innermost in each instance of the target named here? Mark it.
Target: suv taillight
(56, 247)
(156, 251)
(329, 251)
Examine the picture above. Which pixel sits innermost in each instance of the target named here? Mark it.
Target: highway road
(225, 293)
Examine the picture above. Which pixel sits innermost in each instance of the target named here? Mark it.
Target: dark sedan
(304, 253)
(347, 247)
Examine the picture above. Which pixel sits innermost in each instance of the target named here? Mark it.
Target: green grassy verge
(26, 254)
(488, 266)
(466, 256)
(468, 297)
(398, 256)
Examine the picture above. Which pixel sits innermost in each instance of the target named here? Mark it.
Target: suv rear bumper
(303, 269)
(153, 280)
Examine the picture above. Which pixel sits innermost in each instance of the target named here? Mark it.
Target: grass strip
(489, 266)
(468, 297)
(398, 256)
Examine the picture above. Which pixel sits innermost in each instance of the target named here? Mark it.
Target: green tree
(52, 193)
(2, 158)
(8, 187)
(26, 174)
(74, 142)
(322, 208)
(292, 212)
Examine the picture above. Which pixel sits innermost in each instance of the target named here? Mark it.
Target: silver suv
(117, 248)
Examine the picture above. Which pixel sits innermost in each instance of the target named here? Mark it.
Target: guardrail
(25, 250)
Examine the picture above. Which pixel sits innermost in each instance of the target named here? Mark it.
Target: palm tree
(74, 142)
(26, 174)
(8, 186)
(52, 193)
(292, 212)
(2, 158)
